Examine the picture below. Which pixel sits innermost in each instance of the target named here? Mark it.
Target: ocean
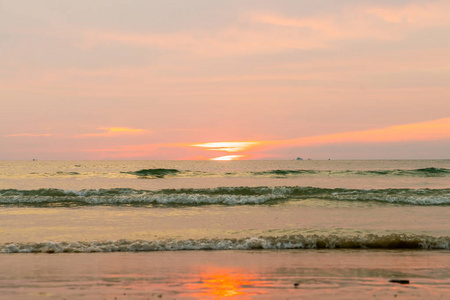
(213, 229)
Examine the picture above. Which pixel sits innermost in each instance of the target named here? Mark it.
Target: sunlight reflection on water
(230, 282)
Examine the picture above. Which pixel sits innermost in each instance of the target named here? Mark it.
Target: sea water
(149, 207)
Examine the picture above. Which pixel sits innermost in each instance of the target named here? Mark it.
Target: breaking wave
(155, 173)
(219, 196)
(162, 173)
(424, 172)
(371, 241)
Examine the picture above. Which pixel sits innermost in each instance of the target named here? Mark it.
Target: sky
(224, 80)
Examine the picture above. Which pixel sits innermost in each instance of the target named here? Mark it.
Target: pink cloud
(359, 21)
(29, 135)
(280, 32)
(226, 146)
(114, 131)
(423, 131)
(233, 40)
(426, 13)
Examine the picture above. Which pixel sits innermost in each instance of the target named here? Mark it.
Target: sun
(227, 146)
(228, 157)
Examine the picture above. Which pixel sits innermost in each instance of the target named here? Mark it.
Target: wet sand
(29, 224)
(291, 274)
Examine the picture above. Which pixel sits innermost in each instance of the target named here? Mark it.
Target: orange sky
(148, 80)
(418, 132)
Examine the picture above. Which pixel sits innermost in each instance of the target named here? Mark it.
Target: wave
(371, 241)
(158, 173)
(219, 196)
(162, 173)
(59, 173)
(288, 172)
(155, 173)
(424, 172)
(67, 173)
(58, 197)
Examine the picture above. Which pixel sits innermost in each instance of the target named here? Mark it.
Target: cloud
(226, 146)
(29, 135)
(258, 32)
(154, 151)
(325, 29)
(424, 131)
(233, 40)
(114, 131)
(423, 14)
(370, 21)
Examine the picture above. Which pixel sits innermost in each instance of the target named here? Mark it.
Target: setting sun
(228, 157)
(227, 146)
(242, 144)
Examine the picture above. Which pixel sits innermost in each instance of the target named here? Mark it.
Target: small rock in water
(401, 281)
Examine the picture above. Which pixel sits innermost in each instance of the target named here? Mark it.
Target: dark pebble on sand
(401, 281)
(296, 285)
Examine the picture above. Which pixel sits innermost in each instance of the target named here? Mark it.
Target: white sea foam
(221, 196)
(392, 241)
(142, 199)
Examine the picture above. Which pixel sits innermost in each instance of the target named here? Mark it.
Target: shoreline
(270, 274)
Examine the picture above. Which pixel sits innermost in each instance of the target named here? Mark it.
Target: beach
(199, 149)
(194, 230)
(320, 274)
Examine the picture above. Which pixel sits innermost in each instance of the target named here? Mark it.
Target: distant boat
(299, 158)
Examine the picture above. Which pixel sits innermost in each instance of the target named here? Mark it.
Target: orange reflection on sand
(225, 283)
